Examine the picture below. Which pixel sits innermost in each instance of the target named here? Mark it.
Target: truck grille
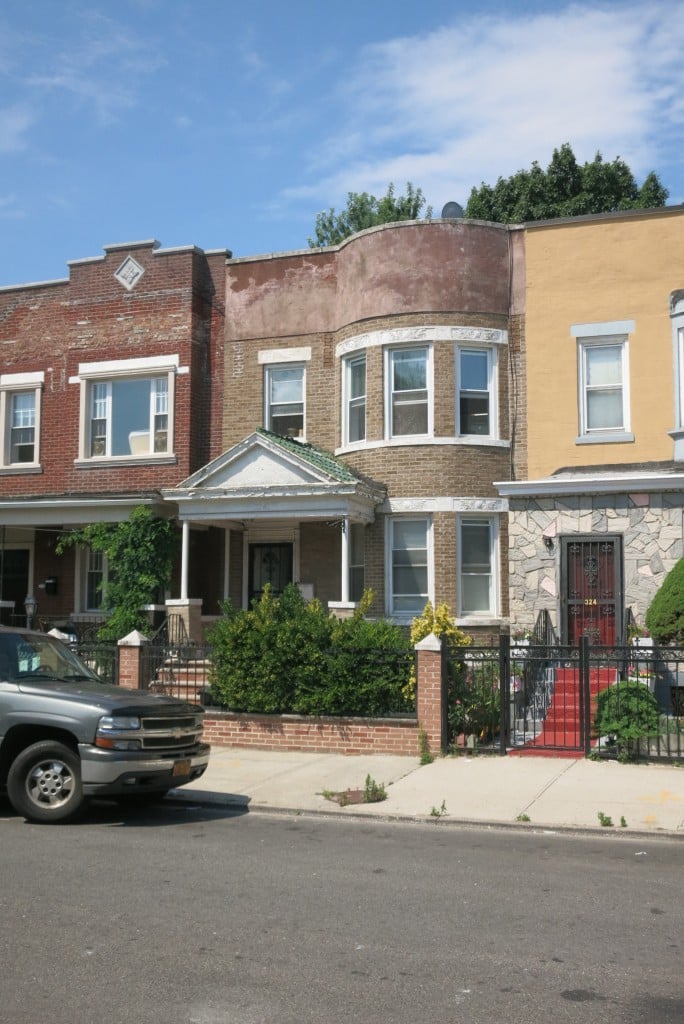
(179, 733)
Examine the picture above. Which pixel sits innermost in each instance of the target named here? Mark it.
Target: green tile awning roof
(318, 458)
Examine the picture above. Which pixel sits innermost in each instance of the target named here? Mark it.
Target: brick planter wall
(322, 735)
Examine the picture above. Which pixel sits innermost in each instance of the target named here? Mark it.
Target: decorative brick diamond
(129, 273)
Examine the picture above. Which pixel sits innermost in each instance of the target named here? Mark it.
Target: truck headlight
(118, 723)
(113, 732)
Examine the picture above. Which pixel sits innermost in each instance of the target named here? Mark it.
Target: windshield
(31, 656)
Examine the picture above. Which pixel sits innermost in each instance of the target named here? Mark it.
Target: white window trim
(145, 368)
(268, 367)
(607, 435)
(347, 364)
(492, 389)
(494, 612)
(405, 616)
(10, 384)
(387, 392)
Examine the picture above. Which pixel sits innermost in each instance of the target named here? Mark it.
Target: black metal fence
(528, 697)
(517, 697)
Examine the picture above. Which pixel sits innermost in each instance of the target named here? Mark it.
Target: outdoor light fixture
(548, 543)
(30, 606)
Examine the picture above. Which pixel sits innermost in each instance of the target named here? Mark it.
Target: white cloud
(483, 98)
(15, 123)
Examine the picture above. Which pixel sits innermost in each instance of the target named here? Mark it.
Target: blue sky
(230, 124)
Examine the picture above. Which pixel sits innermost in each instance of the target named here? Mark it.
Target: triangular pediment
(263, 461)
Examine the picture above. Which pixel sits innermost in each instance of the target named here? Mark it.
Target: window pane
(604, 365)
(286, 384)
(474, 414)
(474, 371)
(475, 594)
(410, 416)
(409, 369)
(130, 414)
(22, 430)
(476, 567)
(356, 403)
(357, 378)
(604, 410)
(409, 565)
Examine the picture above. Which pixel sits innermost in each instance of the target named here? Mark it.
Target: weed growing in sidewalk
(435, 813)
(426, 755)
(605, 820)
(373, 792)
(523, 817)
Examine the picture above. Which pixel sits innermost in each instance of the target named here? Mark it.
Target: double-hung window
(127, 408)
(476, 405)
(477, 579)
(285, 389)
(603, 379)
(95, 579)
(355, 399)
(409, 565)
(409, 390)
(19, 419)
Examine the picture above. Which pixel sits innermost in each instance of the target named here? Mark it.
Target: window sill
(487, 619)
(424, 440)
(125, 460)
(21, 469)
(609, 437)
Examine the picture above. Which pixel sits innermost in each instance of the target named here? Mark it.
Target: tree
(565, 189)
(365, 211)
(139, 555)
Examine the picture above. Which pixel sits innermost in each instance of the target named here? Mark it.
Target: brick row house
(335, 418)
(110, 390)
(484, 415)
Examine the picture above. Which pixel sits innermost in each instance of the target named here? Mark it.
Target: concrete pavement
(529, 792)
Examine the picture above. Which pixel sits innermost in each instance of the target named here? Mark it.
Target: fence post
(130, 658)
(504, 691)
(430, 692)
(585, 694)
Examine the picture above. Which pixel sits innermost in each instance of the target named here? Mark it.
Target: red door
(591, 589)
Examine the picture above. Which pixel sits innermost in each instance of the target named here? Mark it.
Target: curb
(442, 821)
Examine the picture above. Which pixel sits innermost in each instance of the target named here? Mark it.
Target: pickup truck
(65, 735)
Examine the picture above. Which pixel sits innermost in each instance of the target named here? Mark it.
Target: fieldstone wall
(651, 527)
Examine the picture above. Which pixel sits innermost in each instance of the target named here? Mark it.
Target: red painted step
(560, 735)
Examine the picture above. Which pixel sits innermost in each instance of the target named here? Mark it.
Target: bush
(286, 655)
(665, 616)
(627, 712)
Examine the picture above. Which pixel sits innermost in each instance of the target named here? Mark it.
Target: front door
(591, 589)
(14, 582)
(269, 563)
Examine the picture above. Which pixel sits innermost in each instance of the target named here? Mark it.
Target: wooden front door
(591, 582)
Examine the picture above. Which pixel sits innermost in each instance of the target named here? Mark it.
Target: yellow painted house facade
(598, 520)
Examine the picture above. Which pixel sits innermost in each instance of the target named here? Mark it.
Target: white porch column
(184, 559)
(345, 559)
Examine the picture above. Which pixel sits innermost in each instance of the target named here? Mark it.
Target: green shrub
(627, 712)
(665, 616)
(285, 655)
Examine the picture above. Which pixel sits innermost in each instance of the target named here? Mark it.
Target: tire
(44, 783)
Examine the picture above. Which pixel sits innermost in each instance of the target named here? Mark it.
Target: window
(357, 540)
(129, 416)
(127, 408)
(476, 392)
(409, 565)
(603, 375)
(19, 419)
(477, 595)
(285, 389)
(355, 399)
(408, 398)
(95, 577)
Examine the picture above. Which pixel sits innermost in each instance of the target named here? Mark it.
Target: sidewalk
(550, 792)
